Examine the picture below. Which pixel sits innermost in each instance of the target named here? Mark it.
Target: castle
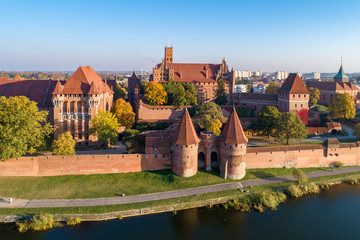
(71, 103)
(203, 76)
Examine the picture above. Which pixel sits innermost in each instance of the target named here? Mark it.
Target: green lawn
(114, 208)
(112, 185)
(321, 108)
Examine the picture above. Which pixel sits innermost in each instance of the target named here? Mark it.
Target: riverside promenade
(24, 203)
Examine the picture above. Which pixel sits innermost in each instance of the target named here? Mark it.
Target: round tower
(232, 149)
(185, 148)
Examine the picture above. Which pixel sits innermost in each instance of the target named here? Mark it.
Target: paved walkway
(22, 203)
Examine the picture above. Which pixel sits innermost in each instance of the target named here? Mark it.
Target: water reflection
(331, 215)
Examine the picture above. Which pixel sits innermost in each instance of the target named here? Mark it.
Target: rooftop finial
(341, 60)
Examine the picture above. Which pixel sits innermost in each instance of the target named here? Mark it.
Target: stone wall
(147, 113)
(83, 164)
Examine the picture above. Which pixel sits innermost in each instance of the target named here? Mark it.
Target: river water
(334, 214)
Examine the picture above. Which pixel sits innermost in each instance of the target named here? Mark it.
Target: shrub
(352, 181)
(325, 186)
(271, 199)
(73, 221)
(130, 133)
(294, 191)
(259, 207)
(300, 176)
(239, 206)
(338, 164)
(38, 223)
(120, 217)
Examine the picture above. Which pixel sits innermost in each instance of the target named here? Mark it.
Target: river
(334, 214)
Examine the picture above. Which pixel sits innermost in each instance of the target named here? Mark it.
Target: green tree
(179, 99)
(191, 95)
(64, 145)
(155, 94)
(342, 106)
(170, 88)
(105, 126)
(221, 97)
(272, 88)
(119, 92)
(290, 127)
(250, 88)
(124, 113)
(142, 84)
(314, 96)
(267, 120)
(205, 113)
(215, 126)
(356, 132)
(300, 176)
(23, 127)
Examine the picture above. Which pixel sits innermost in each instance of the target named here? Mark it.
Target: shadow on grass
(262, 174)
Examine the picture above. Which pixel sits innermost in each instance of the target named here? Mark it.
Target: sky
(109, 35)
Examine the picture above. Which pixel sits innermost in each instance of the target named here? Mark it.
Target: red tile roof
(94, 89)
(332, 86)
(293, 84)
(195, 72)
(185, 134)
(59, 89)
(36, 90)
(233, 132)
(80, 81)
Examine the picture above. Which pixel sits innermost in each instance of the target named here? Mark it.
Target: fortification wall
(83, 164)
(149, 113)
(311, 156)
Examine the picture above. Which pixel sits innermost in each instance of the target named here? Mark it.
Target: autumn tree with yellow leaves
(155, 94)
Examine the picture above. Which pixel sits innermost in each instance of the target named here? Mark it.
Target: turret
(185, 148)
(232, 148)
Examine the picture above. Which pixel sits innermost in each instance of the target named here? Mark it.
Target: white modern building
(242, 74)
(240, 88)
(315, 75)
(280, 75)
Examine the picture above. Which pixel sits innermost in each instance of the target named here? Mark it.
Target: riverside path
(23, 203)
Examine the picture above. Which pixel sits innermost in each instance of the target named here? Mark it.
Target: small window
(155, 156)
(294, 95)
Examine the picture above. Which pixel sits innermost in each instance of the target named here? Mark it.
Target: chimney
(207, 73)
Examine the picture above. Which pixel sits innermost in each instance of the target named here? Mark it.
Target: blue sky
(303, 36)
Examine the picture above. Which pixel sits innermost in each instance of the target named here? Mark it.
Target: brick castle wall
(83, 164)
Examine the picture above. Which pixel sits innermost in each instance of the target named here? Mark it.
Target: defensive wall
(300, 156)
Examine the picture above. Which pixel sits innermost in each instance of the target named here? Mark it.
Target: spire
(233, 132)
(93, 89)
(59, 89)
(341, 76)
(185, 134)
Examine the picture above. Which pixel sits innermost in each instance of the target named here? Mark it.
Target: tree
(179, 98)
(170, 88)
(314, 96)
(23, 127)
(190, 94)
(356, 132)
(142, 84)
(105, 126)
(155, 94)
(207, 112)
(124, 113)
(64, 145)
(221, 98)
(300, 176)
(342, 106)
(290, 127)
(215, 126)
(272, 88)
(267, 120)
(250, 88)
(119, 92)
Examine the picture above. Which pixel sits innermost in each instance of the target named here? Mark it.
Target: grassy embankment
(114, 208)
(113, 185)
(232, 194)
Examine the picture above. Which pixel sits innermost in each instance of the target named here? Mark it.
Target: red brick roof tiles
(59, 89)
(294, 84)
(185, 134)
(333, 86)
(195, 72)
(80, 81)
(233, 132)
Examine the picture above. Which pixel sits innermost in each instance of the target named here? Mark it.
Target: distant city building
(280, 75)
(315, 75)
(242, 74)
(240, 88)
(259, 88)
(257, 74)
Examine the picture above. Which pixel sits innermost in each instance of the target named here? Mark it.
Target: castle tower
(293, 95)
(232, 148)
(185, 148)
(132, 82)
(341, 76)
(168, 55)
(58, 103)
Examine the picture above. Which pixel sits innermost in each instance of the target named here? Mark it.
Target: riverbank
(100, 213)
